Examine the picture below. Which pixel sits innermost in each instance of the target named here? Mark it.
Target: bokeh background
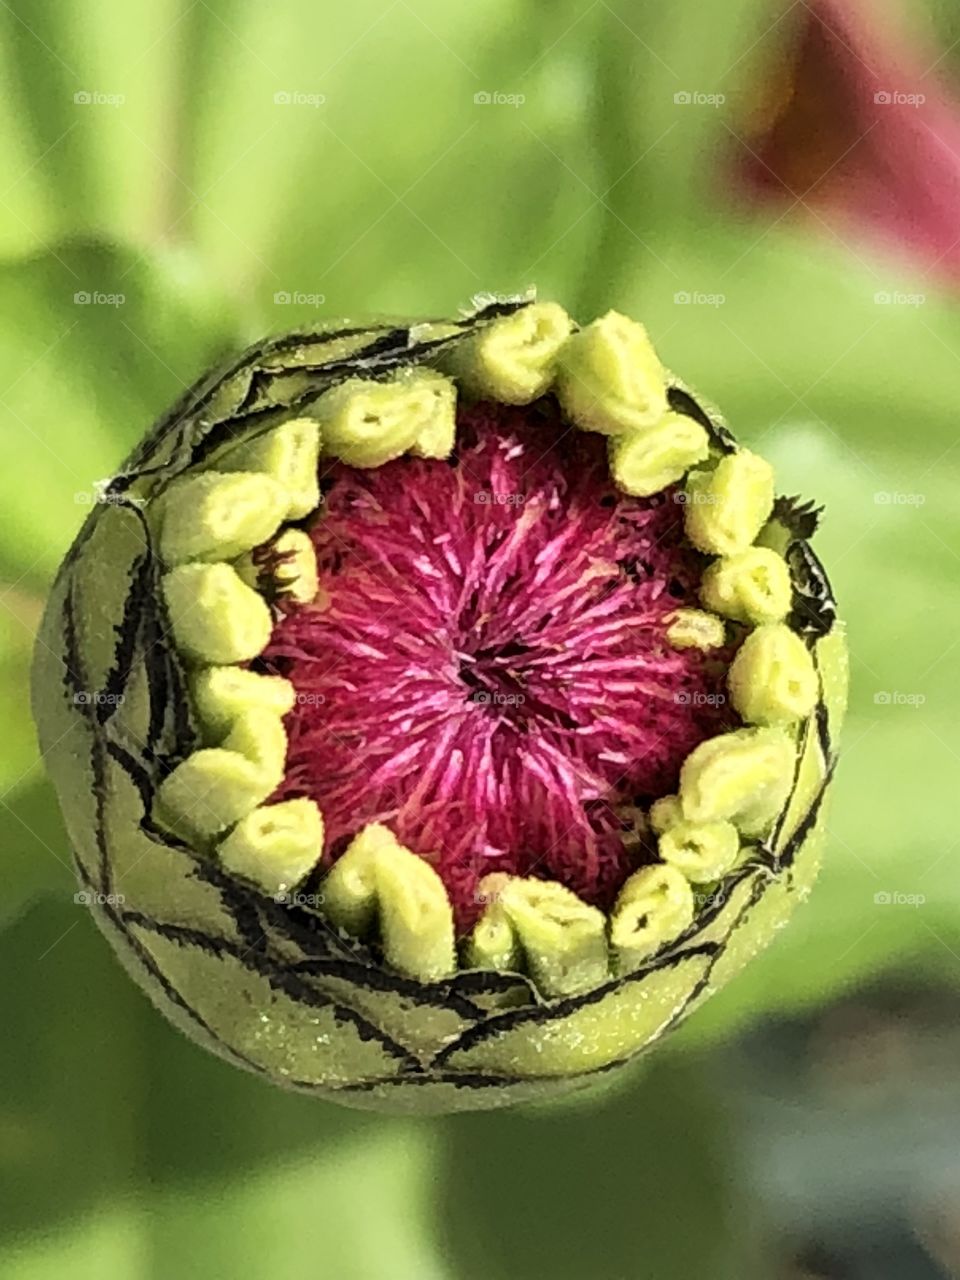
(774, 188)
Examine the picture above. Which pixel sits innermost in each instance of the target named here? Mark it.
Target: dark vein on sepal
(278, 975)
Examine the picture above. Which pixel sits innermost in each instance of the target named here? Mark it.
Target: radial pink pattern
(487, 671)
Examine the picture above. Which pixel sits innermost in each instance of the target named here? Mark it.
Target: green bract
(165, 748)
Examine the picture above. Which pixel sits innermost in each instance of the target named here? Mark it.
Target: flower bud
(210, 791)
(222, 695)
(514, 359)
(284, 569)
(288, 456)
(655, 906)
(741, 777)
(274, 846)
(611, 379)
(562, 938)
(772, 679)
(493, 944)
(378, 877)
(695, 629)
(752, 586)
(727, 507)
(215, 616)
(665, 813)
(647, 460)
(395, 796)
(702, 851)
(368, 423)
(216, 517)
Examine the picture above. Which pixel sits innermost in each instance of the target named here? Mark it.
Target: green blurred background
(179, 177)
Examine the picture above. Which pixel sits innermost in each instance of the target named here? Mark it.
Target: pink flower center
(486, 669)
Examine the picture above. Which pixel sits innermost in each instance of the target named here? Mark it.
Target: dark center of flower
(486, 670)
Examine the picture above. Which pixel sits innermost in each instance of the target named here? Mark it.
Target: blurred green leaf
(600, 1188)
(35, 851)
(97, 342)
(126, 1150)
(90, 89)
(19, 616)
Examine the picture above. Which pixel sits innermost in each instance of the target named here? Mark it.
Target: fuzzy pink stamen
(486, 670)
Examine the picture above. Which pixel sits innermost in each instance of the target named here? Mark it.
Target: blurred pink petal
(868, 136)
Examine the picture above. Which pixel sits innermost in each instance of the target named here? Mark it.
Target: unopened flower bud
(772, 679)
(611, 379)
(394, 794)
(647, 460)
(727, 507)
(751, 586)
(654, 908)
